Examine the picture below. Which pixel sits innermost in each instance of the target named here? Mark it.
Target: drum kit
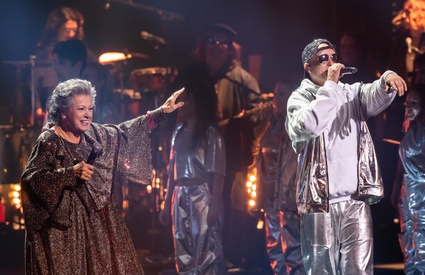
(140, 89)
(15, 147)
(17, 112)
(143, 80)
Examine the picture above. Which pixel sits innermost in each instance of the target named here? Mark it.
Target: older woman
(73, 226)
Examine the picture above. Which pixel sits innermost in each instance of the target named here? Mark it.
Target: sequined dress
(73, 227)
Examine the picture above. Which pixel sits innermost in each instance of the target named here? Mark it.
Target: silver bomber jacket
(312, 172)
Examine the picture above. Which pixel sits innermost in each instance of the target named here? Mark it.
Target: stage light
(251, 188)
(107, 5)
(260, 224)
(113, 57)
(16, 201)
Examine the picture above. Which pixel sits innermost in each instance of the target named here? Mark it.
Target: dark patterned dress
(73, 227)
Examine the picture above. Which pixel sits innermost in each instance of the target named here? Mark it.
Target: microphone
(94, 151)
(349, 70)
(152, 37)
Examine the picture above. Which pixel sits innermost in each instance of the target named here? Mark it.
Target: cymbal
(139, 55)
(111, 57)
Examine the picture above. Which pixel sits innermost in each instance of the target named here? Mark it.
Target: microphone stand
(243, 86)
(164, 15)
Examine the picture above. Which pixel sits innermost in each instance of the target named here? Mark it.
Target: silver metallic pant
(283, 242)
(338, 242)
(412, 227)
(198, 247)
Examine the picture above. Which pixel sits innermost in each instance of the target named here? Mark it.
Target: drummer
(69, 61)
(63, 24)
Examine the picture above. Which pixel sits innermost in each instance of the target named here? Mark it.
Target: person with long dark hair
(63, 23)
(196, 173)
(217, 56)
(409, 185)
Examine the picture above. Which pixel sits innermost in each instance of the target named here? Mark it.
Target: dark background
(277, 30)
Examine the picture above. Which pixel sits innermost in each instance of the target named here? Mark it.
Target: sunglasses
(325, 58)
(68, 30)
(215, 41)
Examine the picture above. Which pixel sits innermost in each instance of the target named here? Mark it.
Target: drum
(155, 79)
(15, 148)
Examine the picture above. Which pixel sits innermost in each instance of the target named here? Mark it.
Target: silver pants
(198, 247)
(283, 242)
(412, 228)
(338, 242)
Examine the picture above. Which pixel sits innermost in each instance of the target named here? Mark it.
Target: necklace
(69, 146)
(66, 136)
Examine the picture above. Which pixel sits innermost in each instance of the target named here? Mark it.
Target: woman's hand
(83, 170)
(170, 105)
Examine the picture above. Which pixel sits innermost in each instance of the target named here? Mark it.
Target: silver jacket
(200, 163)
(312, 173)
